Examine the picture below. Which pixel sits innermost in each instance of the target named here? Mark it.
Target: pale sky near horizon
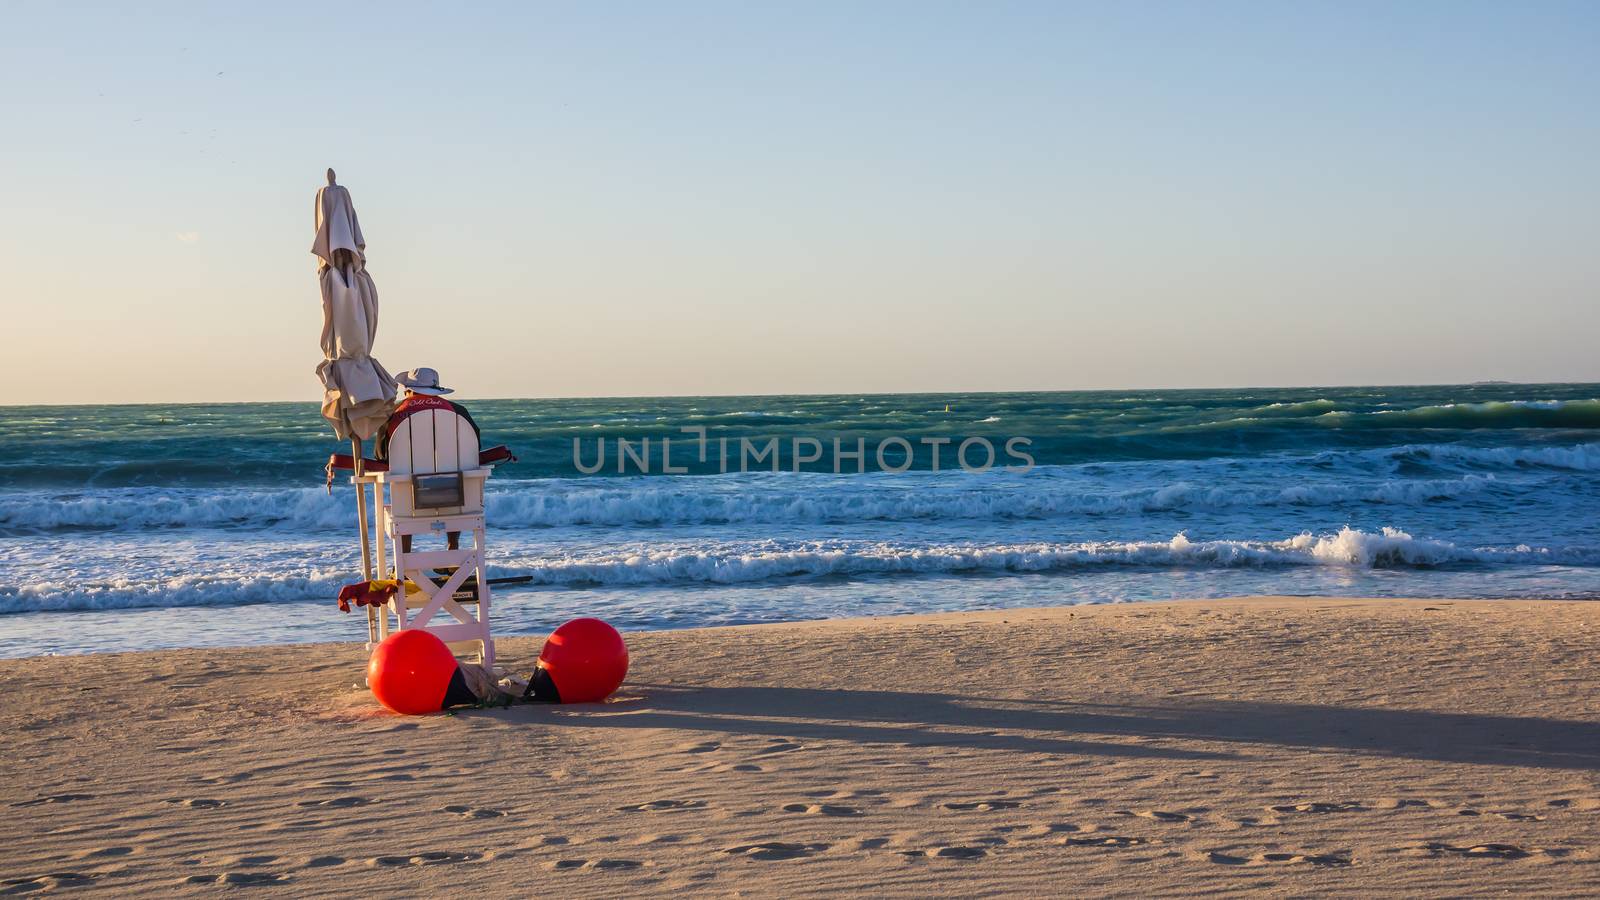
(637, 199)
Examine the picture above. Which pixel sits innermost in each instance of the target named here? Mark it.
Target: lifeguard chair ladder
(434, 484)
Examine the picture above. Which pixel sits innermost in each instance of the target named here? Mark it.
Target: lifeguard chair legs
(420, 604)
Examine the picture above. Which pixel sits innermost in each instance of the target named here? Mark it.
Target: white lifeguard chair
(433, 486)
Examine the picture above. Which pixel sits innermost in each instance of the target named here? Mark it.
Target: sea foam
(721, 562)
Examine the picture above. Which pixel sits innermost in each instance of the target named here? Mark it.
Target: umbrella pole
(366, 534)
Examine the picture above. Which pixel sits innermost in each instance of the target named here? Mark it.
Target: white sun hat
(422, 381)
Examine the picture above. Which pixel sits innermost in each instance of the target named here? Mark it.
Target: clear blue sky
(589, 199)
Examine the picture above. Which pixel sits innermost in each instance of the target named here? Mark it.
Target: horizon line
(1252, 387)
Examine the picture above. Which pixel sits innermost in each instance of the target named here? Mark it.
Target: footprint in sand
(239, 879)
(1227, 859)
(1405, 803)
(703, 747)
(1321, 860)
(200, 802)
(663, 806)
(55, 798)
(538, 842)
(1250, 821)
(776, 850)
(1317, 808)
(823, 809)
(1508, 816)
(1581, 804)
(323, 862)
(251, 861)
(227, 779)
(947, 853)
(1110, 840)
(49, 882)
(104, 853)
(339, 802)
(431, 858)
(983, 805)
(565, 865)
(475, 812)
(1318, 860)
(1158, 815)
(1035, 832)
(1482, 851)
(780, 746)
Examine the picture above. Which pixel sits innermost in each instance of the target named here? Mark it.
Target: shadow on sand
(1035, 726)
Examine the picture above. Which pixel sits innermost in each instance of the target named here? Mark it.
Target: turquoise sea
(131, 527)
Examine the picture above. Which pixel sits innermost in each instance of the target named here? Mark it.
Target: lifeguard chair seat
(435, 482)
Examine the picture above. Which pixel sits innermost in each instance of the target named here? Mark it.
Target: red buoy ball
(586, 659)
(410, 672)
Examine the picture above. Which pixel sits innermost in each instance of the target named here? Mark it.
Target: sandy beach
(1275, 746)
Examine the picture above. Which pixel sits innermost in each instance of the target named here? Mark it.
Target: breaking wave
(145, 508)
(693, 500)
(743, 562)
(1047, 492)
(167, 592)
(1494, 414)
(1291, 410)
(1578, 458)
(1388, 548)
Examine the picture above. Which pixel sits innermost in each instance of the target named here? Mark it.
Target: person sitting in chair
(422, 391)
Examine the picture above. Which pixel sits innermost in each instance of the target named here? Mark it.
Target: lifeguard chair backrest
(433, 440)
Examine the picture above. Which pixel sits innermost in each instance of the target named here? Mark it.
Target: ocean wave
(1326, 414)
(1579, 458)
(1494, 414)
(655, 565)
(743, 562)
(1405, 475)
(1289, 410)
(679, 503)
(694, 500)
(147, 508)
(173, 591)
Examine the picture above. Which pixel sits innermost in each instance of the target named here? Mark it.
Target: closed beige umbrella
(357, 393)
